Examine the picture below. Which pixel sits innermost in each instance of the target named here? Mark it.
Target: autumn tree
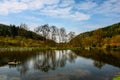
(115, 40)
(98, 36)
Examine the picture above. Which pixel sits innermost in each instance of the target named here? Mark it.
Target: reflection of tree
(98, 64)
(43, 60)
(50, 60)
(101, 57)
(23, 68)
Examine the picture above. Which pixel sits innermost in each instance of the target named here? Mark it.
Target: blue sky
(75, 15)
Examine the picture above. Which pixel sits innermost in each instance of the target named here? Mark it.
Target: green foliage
(107, 37)
(116, 77)
(19, 36)
(13, 31)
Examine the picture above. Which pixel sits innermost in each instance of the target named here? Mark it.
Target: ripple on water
(3, 77)
(14, 78)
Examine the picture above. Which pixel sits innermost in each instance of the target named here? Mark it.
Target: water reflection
(59, 64)
(101, 58)
(98, 64)
(51, 60)
(43, 60)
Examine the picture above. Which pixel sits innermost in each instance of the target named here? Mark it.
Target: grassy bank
(23, 42)
(52, 48)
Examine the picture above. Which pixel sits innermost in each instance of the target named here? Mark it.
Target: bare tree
(24, 26)
(54, 32)
(62, 35)
(71, 35)
(43, 30)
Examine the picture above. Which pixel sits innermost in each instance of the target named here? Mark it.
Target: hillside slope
(103, 37)
(19, 36)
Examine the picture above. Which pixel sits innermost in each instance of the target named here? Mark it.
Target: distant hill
(103, 37)
(13, 31)
(11, 35)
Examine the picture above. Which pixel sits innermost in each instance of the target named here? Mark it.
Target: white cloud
(13, 6)
(66, 3)
(87, 5)
(64, 13)
(55, 12)
(38, 4)
(52, 8)
(66, 9)
(80, 16)
(108, 8)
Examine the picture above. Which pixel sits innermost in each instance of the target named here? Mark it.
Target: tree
(13, 31)
(62, 35)
(23, 30)
(87, 42)
(24, 26)
(98, 36)
(54, 31)
(43, 30)
(71, 35)
(115, 40)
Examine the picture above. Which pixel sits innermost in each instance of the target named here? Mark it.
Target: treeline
(42, 36)
(51, 36)
(13, 31)
(59, 35)
(21, 36)
(107, 37)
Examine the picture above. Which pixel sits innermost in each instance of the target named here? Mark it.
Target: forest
(42, 36)
(51, 36)
(106, 38)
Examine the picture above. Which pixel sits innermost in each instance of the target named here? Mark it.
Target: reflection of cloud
(75, 74)
(3, 77)
(14, 78)
(81, 72)
(54, 77)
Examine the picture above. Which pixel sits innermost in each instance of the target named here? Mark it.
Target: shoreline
(53, 48)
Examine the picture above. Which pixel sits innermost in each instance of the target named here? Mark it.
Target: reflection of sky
(81, 68)
(4, 77)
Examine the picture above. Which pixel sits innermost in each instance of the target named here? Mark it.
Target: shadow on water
(51, 59)
(101, 57)
(6, 57)
(43, 64)
(42, 60)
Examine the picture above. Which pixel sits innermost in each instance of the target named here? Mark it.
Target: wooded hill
(107, 37)
(22, 37)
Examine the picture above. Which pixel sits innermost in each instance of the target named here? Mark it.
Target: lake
(60, 65)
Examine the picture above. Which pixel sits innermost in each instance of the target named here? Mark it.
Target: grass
(117, 77)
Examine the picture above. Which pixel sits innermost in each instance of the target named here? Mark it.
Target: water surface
(60, 65)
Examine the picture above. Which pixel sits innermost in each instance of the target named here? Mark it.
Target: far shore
(52, 48)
